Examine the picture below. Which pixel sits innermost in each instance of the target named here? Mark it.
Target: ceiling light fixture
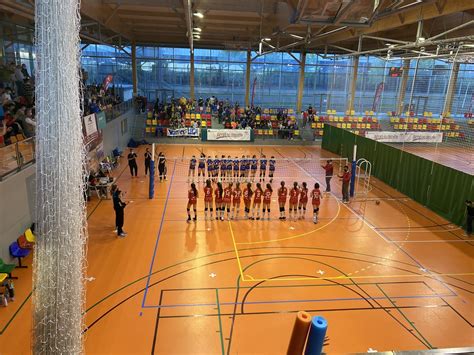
(198, 14)
(267, 39)
(197, 29)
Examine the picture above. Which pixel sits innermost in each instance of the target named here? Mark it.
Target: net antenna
(363, 174)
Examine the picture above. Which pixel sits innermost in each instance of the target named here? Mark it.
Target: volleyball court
(374, 262)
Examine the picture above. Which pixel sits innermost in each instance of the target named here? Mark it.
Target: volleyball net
(227, 170)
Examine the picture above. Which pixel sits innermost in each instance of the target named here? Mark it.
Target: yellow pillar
(355, 69)
(301, 83)
(134, 69)
(403, 87)
(448, 102)
(191, 76)
(247, 79)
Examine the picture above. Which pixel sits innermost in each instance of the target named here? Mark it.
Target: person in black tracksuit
(469, 217)
(147, 160)
(162, 166)
(132, 163)
(119, 206)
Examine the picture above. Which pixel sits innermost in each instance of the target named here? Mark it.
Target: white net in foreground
(58, 296)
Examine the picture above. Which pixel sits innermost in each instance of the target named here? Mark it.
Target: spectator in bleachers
(24, 71)
(6, 96)
(30, 123)
(29, 91)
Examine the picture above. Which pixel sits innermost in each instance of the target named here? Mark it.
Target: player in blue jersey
(229, 168)
(210, 167)
(263, 167)
(236, 164)
(217, 164)
(271, 168)
(192, 168)
(223, 167)
(242, 168)
(253, 167)
(202, 167)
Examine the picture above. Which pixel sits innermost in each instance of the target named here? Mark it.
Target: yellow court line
(298, 235)
(236, 251)
(250, 278)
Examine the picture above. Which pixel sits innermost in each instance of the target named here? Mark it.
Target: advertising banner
(406, 137)
(183, 132)
(228, 135)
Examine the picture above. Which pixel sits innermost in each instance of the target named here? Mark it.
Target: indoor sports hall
(222, 177)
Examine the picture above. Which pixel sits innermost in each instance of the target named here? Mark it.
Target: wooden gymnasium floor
(459, 158)
(399, 278)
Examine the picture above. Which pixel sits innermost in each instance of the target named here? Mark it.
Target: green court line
(406, 318)
(220, 321)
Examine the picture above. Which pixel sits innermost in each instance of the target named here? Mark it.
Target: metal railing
(21, 154)
(16, 157)
(113, 112)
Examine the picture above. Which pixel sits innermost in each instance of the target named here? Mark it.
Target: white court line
(349, 208)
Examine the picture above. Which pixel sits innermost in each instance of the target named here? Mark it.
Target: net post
(353, 172)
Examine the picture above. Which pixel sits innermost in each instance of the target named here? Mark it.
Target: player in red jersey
(316, 197)
(218, 198)
(303, 200)
(257, 201)
(267, 198)
(236, 196)
(247, 199)
(208, 199)
(192, 200)
(227, 199)
(282, 194)
(294, 193)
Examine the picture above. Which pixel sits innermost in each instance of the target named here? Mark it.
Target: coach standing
(132, 162)
(147, 160)
(346, 180)
(329, 168)
(119, 206)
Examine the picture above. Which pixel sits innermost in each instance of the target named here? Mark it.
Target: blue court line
(158, 237)
(299, 301)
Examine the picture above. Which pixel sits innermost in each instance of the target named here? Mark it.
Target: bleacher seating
(350, 121)
(152, 123)
(426, 123)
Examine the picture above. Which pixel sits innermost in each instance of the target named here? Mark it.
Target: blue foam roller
(151, 189)
(317, 333)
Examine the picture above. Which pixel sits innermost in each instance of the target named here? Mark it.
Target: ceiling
(291, 25)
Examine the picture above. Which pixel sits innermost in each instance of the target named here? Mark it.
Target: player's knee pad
(317, 209)
(281, 209)
(210, 209)
(187, 209)
(205, 209)
(228, 210)
(299, 207)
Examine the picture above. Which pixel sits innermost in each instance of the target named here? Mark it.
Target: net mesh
(286, 169)
(59, 261)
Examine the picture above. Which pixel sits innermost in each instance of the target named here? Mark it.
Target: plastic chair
(17, 252)
(7, 269)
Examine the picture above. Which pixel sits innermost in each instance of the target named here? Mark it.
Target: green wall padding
(440, 188)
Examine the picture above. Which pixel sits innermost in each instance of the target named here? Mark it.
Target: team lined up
(256, 200)
(232, 169)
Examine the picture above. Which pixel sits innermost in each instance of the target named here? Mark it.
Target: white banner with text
(406, 137)
(228, 135)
